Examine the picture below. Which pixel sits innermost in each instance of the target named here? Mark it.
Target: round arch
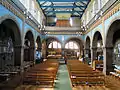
(53, 52)
(96, 37)
(79, 42)
(10, 40)
(112, 38)
(74, 38)
(13, 25)
(51, 39)
(72, 42)
(97, 50)
(29, 46)
(87, 42)
(38, 47)
(87, 50)
(97, 45)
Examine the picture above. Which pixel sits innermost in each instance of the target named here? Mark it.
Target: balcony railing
(62, 29)
(101, 12)
(22, 7)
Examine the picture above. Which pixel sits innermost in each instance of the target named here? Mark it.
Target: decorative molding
(8, 16)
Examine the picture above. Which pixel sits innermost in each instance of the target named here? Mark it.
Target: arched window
(54, 44)
(50, 45)
(71, 45)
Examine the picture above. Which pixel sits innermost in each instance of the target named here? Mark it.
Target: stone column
(22, 58)
(44, 50)
(22, 46)
(86, 51)
(32, 54)
(86, 54)
(108, 60)
(18, 54)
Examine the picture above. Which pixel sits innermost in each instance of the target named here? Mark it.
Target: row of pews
(43, 74)
(82, 74)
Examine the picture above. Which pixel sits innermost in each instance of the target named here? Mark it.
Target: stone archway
(50, 39)
(97, 44)
(87, 50)
(54, 47)
(29, 47)
(10, 44)
(97, 51)
(79, 53)
(112, 38)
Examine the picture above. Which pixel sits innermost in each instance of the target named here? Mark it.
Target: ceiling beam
(80, 7)
(83, 3)
(63, 0)
(43, 3)
(64, 11)
(47, 12)
(63, 6)
(50, 10)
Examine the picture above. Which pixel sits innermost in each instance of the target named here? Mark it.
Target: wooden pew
(88, 80)
(42, 74)
(81, 73)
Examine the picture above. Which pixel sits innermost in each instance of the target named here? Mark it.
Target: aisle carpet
(63, 82)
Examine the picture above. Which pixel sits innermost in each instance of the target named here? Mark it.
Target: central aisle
(63, 82)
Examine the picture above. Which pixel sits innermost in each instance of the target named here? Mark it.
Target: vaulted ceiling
(73, 7)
